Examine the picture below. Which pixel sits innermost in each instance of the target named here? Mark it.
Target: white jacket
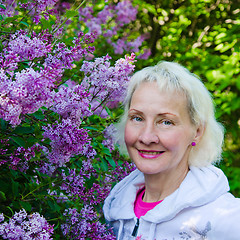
(201, 208)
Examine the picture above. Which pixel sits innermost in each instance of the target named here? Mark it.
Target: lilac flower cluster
(67, 140)
(73, 184)
(64, 56)
(24, 226)
(97, 193)
(115, 16)
(22, 47)
(120, 172)
(9, 8)
(25, 91)
(125, 12)
(109, 134)
(40, 7)
(105, 82)
(19, 158)
(30, 91)
(82, 45)
(124, 44)
(84, 225)
(72, 101)
(60, 197)
(27, 48)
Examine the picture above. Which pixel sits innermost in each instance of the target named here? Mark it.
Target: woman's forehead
(162, 88)
(148, 95)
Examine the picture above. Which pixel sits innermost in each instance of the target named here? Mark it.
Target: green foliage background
(204, 36)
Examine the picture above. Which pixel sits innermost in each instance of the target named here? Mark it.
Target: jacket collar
(201, 186)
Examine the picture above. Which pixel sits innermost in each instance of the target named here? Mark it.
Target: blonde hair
(170, 77)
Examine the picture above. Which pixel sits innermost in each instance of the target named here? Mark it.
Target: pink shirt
(140, 207)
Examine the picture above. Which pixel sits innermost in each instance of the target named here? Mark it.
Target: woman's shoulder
(227, 204)
(226, 217)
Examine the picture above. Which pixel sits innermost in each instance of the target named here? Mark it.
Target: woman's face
(159, 132)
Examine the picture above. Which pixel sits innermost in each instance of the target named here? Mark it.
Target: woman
(173, 138)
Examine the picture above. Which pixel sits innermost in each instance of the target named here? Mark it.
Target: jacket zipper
(135, 230)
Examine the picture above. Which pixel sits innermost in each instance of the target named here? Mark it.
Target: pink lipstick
(150, 154)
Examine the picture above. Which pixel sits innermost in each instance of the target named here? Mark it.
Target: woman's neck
(162, 185)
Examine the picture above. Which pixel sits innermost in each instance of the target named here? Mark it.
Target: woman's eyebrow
(159, 114)
(167, 113)
(134, 110)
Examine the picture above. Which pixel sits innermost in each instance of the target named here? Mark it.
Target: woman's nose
(148, 135)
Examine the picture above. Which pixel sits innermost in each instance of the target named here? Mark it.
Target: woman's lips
(150, 154)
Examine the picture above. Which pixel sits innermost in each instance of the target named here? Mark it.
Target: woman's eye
(136, 118)
(167, 122)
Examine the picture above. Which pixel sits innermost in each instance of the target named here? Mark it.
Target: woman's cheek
(129, 135)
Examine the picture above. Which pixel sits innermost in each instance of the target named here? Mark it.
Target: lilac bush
(63, 71)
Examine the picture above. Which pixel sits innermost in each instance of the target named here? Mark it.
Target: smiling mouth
(150, 152)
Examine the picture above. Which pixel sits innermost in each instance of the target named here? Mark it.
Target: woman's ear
(199, 133)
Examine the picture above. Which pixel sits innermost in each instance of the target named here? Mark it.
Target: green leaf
(39, 115)
(54, 206)
(228, 46)
(219, 47)
(3, 124)
(46, 24)
(24, 23)
(31, 140)
(2, 196)
(221, 35)
(23, 130)
(14, 173)
(238, 84)
(91, 128)
(10, 19)
(2, 6)
(149, 7)
(19, 140)
(16, 205)
(106, 151)
(15, 189)
(103, 164)
(111, 161)
(94, 119)
(71, 13)
(26, 205)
